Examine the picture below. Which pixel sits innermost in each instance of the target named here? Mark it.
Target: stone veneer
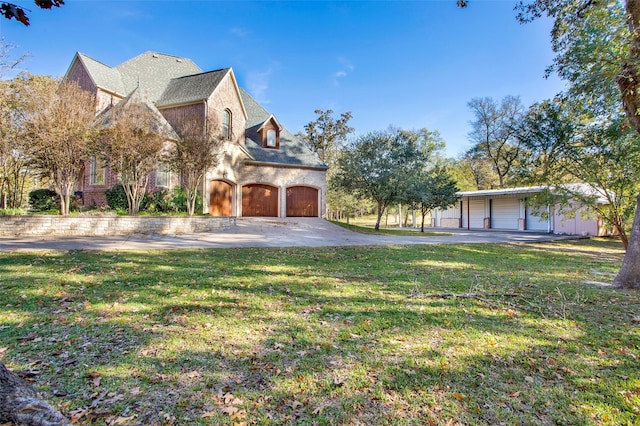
(77, 226)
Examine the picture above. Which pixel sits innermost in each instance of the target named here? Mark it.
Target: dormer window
(269, 133)
(226, 125)
(271, 138)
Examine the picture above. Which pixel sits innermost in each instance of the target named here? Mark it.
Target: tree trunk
(380, 211)
(629, 84)
(19, 403)
(629, 274)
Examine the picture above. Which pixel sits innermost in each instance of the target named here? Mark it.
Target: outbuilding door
(302, 201)
(220, 198)
(476, 214)
(534, 221)
(505, 213)
(259, 200)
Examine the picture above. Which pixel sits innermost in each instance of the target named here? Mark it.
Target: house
(517, 209)
(264, 169)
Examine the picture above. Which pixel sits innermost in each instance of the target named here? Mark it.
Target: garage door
(535, 222)
(220, 198)
(505, 213)
(476, 214)
(302, 201)
(260, 200)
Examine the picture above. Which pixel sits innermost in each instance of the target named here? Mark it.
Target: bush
(163, 201)
(159, 202)
(42, 200)
(180, 200)
(12, 212)
(116, 198)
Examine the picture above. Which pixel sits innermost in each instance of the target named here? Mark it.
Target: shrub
(116, 198)
(180, 200)
(158, 202)
(12, 212)
(42, 200)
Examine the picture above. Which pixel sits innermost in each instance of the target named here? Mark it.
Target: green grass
(331, 336)
(364, 229)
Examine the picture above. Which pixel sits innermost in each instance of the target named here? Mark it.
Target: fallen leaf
(459, 396)
(96, 381)
(230, 411)
(514, 394)
(121, 421)
(207, 414)
(529, 379)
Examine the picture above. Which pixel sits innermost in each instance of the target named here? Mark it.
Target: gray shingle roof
(104, 76)
(163, 80)
(153, 71)
(292, 152)
(162, 126)
(191, 88)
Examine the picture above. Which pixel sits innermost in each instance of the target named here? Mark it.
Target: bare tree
(196, 150)
(58, 129)
(131, 142)
(494, 131)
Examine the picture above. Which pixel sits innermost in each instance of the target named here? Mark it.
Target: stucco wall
(233, 170)
(50, 226)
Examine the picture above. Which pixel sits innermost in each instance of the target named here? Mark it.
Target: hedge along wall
(77, 226)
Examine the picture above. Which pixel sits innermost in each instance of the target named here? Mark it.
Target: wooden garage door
(260, 200)
(505, 213)
(220, 198)
(302, 201)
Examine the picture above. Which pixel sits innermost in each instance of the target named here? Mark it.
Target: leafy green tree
(431, 189)
(326, 135)
(597, 43)
(379, 166)
(567, 147)
(493, 134)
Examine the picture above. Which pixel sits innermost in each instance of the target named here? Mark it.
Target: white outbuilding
(518, 209)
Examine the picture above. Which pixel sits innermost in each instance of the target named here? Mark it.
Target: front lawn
(418, 335)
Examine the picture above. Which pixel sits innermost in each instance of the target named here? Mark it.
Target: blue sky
(408, 64)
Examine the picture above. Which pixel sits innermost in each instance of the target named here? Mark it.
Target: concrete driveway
(267, 232)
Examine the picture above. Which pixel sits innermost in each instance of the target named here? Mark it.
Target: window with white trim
(97, 171)
(226, 124)
(271, 138)
(163, 176)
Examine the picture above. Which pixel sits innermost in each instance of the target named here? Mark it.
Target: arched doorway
(302, 201)
(259, 200)
(220, 198)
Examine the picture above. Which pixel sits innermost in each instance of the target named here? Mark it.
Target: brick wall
(76, 226)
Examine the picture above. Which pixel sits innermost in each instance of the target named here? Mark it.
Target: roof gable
(191, 88)
(291, 151)
(102, 76)
(162, 126)
(271, 119)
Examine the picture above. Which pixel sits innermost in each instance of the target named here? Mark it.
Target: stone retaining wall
(76, 226)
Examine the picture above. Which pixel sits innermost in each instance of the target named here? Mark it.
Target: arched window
(226, 124)
(271, 138)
